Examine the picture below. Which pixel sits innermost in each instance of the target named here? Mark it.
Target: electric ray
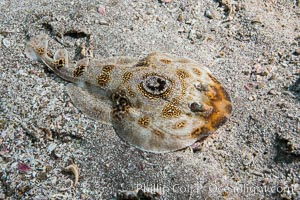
(160, 103)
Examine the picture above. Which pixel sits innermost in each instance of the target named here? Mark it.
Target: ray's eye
(155, 84)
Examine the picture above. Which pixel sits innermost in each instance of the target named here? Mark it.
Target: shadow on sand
(295, 88)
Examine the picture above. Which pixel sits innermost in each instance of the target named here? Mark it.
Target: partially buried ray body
(160, 103)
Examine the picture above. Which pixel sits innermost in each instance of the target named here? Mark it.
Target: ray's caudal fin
(37, 49)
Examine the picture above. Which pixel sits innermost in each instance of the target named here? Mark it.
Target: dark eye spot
(155, 84)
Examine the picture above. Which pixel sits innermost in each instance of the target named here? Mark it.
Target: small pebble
(209, 14)
(101, 11)
(33, 174)
(260, 85)
(264, 73)
(221, 54)
(284, 65)
(272, 77)
(297, 52)
(6, 42)
(51, 147)
(272, 92)
(23, 168)
(257, 173)
(192, 33)
(252, 98)
(199, 36)
(42, 176)
(180, 17)
(189, 22)
(246, 72)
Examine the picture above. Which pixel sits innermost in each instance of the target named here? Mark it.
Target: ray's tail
(37, 49)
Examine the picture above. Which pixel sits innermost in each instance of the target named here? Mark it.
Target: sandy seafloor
(251, 47)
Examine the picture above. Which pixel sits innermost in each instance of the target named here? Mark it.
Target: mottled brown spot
(103, 79)
(144, 63)
(130, 92)
(78, 71)
(121, 105)
(59, 63)
(117, 114)
(49, 54)
(182, 74)
(40, 51)
(197, 71)
(200, 131)
(171, 111)
(158, 133)
(165, 61)
(124, 61)
(127, 76)
(175, 101)
(104, 76)
(183, 60)
(195, 132)
(228, 107)
(108, 68)
(180, 124)
(144, 121)
(183, 87)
